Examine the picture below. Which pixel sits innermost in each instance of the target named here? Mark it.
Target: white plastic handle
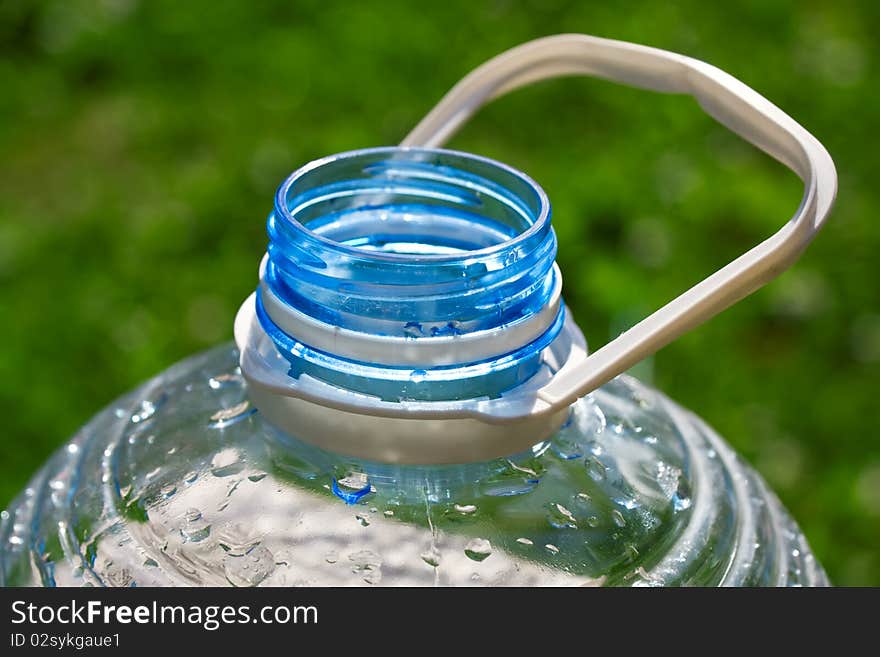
(730, 102)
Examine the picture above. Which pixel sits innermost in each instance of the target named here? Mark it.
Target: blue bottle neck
(422, 251)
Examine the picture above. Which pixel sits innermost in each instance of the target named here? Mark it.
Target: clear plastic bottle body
(183, 482)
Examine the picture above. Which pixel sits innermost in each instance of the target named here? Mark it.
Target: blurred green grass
(141, 142)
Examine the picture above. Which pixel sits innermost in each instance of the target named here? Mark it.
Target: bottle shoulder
(183, 482)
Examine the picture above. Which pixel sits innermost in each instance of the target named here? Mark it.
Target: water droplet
(413, 330)
(144, 412)
(190, 477)
(365, 558)
(226, 416)
(552, 549)
(249, 569)
(351, 488)
(525, 541)
(465, 509)
(388, 513)
(667, 478)
(593, 521)
(118, 578)
(479, 549)
(257, 477)
(596, 469)
(507, 486)
(223, 380)
(194, 528)
(373, 576)
(431, 556)
(560, 517)
(627, 503)
(651, 580)
(362, 520)
(682, 498)
(511, 257)
(512, 480)
(168, 490)
(519, 468)
(368, 564)
(417, 376)
(567, 449)
(618, 519)
(582, 501)
(150, 563)
(595, 448)
(226, 463)
(237, 538)
(331, 557)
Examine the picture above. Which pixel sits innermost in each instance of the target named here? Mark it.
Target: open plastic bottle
(408, 401)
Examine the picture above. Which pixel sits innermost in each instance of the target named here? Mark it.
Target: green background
(141, 142)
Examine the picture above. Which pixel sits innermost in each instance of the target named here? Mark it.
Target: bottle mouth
(411, 242)
(377, 178)
(411, 274)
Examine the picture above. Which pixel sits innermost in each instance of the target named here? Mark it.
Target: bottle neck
(411, 274)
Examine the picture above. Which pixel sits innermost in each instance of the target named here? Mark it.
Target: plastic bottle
(410, 403)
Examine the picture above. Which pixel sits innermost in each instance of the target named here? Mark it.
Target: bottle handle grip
(726, 99)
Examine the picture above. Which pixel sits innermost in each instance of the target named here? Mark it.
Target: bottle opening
(411, 274)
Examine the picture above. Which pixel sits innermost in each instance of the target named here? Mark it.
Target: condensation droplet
(596, 469)
(618, 519)
(431, 556)
(368, 564)
(667, 478)
(465, 509)
(223, 380)
(147, 410)
(552, 549)
(413, 330)
(525, 541)
(226, 463)
(249, 569)
(479, 549)
(681, 500)
(194, 528)
(373, 576)
(225, 415)
(560, 517)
